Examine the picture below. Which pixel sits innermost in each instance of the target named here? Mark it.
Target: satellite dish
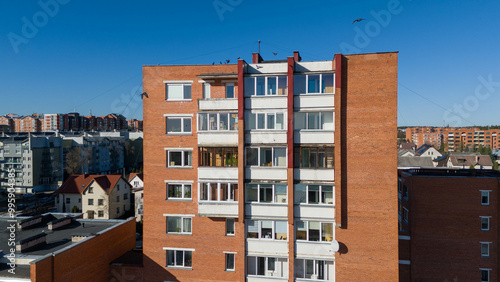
(335, 246)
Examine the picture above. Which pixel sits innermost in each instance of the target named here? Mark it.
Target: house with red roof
(96, 196)
(136, 180)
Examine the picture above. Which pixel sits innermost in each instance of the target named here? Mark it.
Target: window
(266, 193)
(313, 121)
(485, 198)
(206, 91)
(230, 227)
(267, 229)
(261, 86)
(266, 156)
(91, 202)
(485, 275)
(218, 156)
(267, 266)
(178, 225)
(218, 192)
(405, 192)
(229, 90)
(485, 223)
(100, 202)
(100, 213)
(125, 196)
(405, 215)
(314, 83)
(314, 157)
(178, 92)
(179, 258)
(313, 269)
(178, 125)
(485, 249)
(314, 194)
(179, 158)
(178, 191)
(217, 121)
(68, 200)
(117, 210)
(91, 190)
(265, 121)
(314, 231)
(229, 262)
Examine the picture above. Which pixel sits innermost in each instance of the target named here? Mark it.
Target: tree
(495, 165)
(74, 161)
(75, 209)
(471, 167)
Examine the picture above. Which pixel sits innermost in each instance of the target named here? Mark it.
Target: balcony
(314, 174)
(266, 102)
(314, 137)
(218, 173)
(265, 137)
(218, 138)
(264, 210)
(314, 249)
(267, 246)
(318, 212)
(218, 104)
(266, 173)
(314, 101)
(218, 209)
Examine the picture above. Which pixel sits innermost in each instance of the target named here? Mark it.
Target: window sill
(267, 239)
(179, 200)
(230, 270)
(180, 100)
(178, 133)
(316, 205)
(183, 234)
(218, 202)
(266, 96)
(179, 267)
(264, 166)
(230, 235)
(267, 204)
(313, 242)
(267, 277)
(218, 131)
(313, 94)
(177, 167)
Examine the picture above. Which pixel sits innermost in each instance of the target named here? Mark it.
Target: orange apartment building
(454, 139)
(258, 171)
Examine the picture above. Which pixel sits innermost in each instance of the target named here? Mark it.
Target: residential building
(137, 184)
(8, 122)
(96, 196)
(465, 161)
(448, 221)
(263, 166)
(135, 124)
(63, 247)
(454, 139)
(31, 123)
(427, 150)
(37, 160)
(53, 122)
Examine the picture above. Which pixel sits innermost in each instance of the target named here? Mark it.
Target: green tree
(471, 167)
(75, 209)
(495, 165)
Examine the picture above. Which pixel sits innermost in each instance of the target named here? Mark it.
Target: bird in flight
(358, 20)
(275, 54)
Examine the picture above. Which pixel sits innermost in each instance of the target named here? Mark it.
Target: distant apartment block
(454, 139)
(53, 122)
(448, 222)
(96, 196)
(135, 124)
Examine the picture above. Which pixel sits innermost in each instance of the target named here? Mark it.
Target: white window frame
(307, 121)
(488, 270)
(183, 119)
(488, 250)
(273, 230)
(249, 126)
(266, 79)
(229, 127)
(183, 84)
(487, 218)
(485, 193)
(209, 192)
(315, 271)
(320, 230)
(267, 271)
(320, 194)
(182, 217)
(233, 224)
(206, 90)
(273, 196)
(258, 156)
(175, 250)
(227, 255)
(320, 83)
(183, 184)
(183, 152)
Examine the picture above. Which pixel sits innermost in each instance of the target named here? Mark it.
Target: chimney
(296, 56)
(256, 58)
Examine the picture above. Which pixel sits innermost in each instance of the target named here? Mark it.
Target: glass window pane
(234, 192)
(327, 232)
(282, 85)
(230, 261)
(251, 193)
(204, 191)
(206, 91)
(173, 224)
(301, 230)
(266, 157)
(271, 86)
(179, 258)
(299, 120)
(187, 91)
(321, 158)
(261, 121)
(280, 230)
(266, 229)
(230, 226)
(187, 125)
(188, 260)
(260, 86)
(202, 122)
(212, 121)
(175, 191)
(313, 231)
(280, 121)
(270, 121)
(233, 121)
(313, 194)
(299, 268)
(261, 266)
(213, 191)
(280, 193)
(252, 156)
(251, 265)
(327, 120)
(187, 158)
(313, 162)
(327, 81)
(252, 228)
(299, 84)
(280, 157)
(174, 91)
(175, 158)
(187, 191)
(313, 83)
(309, 268)
(173, 125)
(249, 86)
(305, 157)
(252, 121)
(266, 193)
(330, 157)
(230, 90)
(300, 193)
(327, 194)
(223, 124)
(271, 264)
(170, 257)
(224, 191)
(313, 121)
(186, 225)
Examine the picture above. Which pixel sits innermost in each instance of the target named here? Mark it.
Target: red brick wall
(89, 260)
(366, 168)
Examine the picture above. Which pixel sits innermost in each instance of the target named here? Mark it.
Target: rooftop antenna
(259, 46)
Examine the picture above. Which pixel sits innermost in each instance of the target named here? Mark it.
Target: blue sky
(88, 54)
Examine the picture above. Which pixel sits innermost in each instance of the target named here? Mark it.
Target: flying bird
(227, 61)
(275, 54)
(144, 94)
(358, 20)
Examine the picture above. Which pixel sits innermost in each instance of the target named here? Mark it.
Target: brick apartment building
(454, 139)
(448, 222)
(253, 170)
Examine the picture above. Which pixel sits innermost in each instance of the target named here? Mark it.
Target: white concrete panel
(266, 102)
(218, 209)
(265, 279)
(273, 68)
(218, 104)
(321, 101)
(218, 173)
(267, 247)
(327, 174)
(308, 212)
(314, 66)
(258, 210)
(314, 137)
(218, 138)
(314, 249)
(265, 137)
(265, 173)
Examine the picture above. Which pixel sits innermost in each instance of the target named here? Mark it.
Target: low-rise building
(462, 161)
(137, 183)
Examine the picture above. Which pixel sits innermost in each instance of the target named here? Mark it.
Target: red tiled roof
(76, 184)
(132, 175)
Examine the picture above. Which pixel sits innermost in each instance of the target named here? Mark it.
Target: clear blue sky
(88, 54)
